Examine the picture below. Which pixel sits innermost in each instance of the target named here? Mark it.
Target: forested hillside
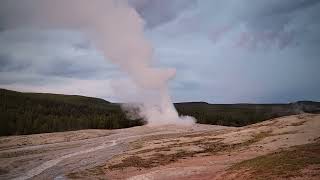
(243, 114)
(29, 113)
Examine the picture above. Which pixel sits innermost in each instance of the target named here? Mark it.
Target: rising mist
(117, 31)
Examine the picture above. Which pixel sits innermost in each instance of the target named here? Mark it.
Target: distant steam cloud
(118, 32)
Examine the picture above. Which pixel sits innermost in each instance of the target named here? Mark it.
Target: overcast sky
(224, 51)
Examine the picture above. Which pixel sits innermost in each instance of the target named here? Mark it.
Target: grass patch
(216, 147)
(157, 159)
(298, 123)
(285, 133)
(132, 161)
(256, 138)
(208, 146)
(284, 164)
(96, 172)
(178, 144)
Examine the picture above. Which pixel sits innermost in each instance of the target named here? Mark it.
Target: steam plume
(118, 31)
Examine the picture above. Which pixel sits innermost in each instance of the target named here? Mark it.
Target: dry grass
(256, 138)
(95, 173)
(157, 159)
(178, 144)
(298, 123)
(165, 155)
(283, 164)
(286, 133)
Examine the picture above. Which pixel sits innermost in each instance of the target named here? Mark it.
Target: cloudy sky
(224, 51)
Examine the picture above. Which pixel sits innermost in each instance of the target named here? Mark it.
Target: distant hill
(29, 113)
(243, 114)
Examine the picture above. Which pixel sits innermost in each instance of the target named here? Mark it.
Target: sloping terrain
(281, 148)
(30, 113)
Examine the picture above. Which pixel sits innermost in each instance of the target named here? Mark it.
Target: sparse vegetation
(256, 138)
(94, 173)
(284, 164)
(157, 159)
(164, 155)
(298, 123)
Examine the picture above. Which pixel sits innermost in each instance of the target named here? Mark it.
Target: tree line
(29, 113)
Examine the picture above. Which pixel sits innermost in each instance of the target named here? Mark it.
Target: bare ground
(281, 148)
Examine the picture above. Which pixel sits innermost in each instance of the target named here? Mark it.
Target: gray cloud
(287, 6)
(224, 52)
(156, 13)
(260, 22)
(53, 61)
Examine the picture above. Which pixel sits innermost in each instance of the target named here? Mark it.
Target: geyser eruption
(118, 31)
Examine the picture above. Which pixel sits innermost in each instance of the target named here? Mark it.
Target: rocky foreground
(282, 148)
